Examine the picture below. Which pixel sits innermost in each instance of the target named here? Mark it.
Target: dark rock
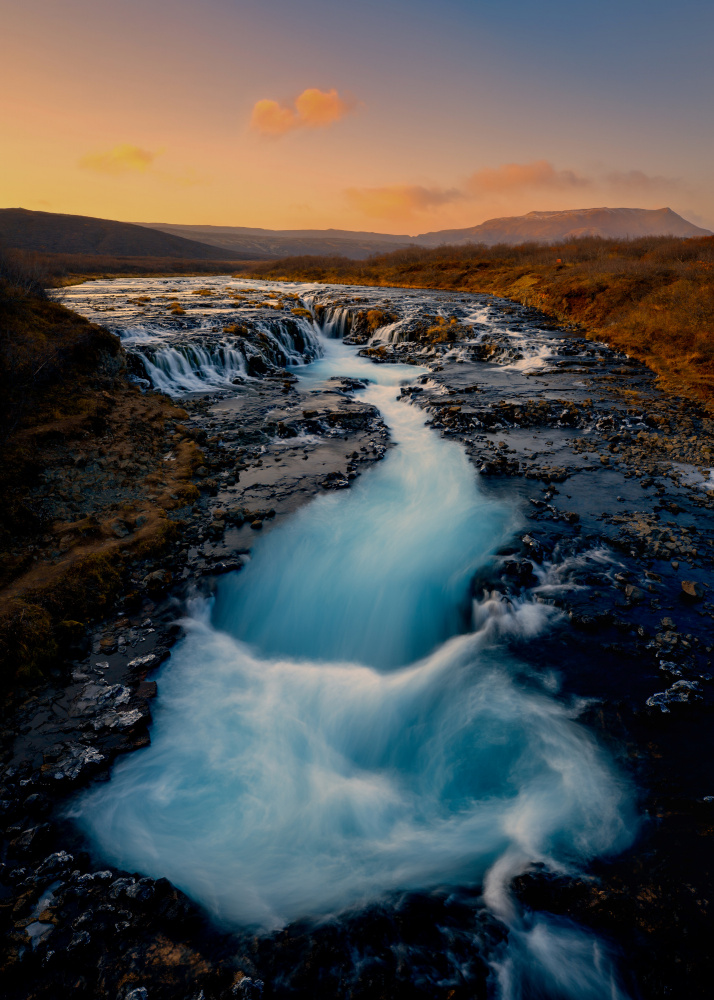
(141, 891)
(37, 805)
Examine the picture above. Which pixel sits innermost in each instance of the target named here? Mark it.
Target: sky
(400, 116)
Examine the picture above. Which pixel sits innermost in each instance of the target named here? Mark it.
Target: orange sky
(395, 117)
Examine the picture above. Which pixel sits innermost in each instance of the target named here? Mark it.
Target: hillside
(269, 244)
(162, 245)
(84, 493)
(48, 232)
(545, 227)
(539, 227)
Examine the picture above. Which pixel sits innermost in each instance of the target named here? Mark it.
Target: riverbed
(410, 694)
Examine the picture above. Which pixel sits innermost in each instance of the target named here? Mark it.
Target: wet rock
(692, 590)
(519, 571)
(141, 891)
(70, 762)
(334, 481)
(34, 841)
(55, 864)
(681, 692)
(248, 989)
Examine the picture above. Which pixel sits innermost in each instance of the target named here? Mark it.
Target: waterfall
(197, 364)
(341, 723)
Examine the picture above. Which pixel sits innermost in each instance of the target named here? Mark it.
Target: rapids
(344, 721)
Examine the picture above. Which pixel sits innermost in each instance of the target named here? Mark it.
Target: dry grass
(651, 297)
(82, 453)
(58, 269)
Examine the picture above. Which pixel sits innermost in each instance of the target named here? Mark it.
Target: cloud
(512, 177)
(400, 200)
(122, 159)
(639, 182)
(312, 108)
(513, 188)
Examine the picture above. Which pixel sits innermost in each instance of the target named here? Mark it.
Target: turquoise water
(336, 726)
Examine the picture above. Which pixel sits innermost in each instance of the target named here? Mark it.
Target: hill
(48, 232)
(538, 227)
(264, 244)
(84, 492)
(546, 227)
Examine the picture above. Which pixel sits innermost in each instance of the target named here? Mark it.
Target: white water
(193, 368)
(324, 736)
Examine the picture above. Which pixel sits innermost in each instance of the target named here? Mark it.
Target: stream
(344, 721)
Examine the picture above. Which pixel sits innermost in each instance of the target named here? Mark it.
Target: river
(343, 721)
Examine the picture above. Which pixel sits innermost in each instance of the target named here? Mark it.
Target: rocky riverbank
(611, 478)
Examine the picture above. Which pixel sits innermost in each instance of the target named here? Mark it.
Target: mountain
(541, 227)
(81, 234)
(271, 243)
(547, 227)
(48, 232)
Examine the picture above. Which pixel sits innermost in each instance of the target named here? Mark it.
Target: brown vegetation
(652, 297)
(57, 269)
(91, 468)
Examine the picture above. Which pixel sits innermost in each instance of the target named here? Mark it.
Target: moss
(86, 589)
(27, 642)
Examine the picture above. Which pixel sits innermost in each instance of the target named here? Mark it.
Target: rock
(72, 763)
(634, 593)
(334, 481)
(55, 863)
(681, 692)
(140, 993)
(248, 989)
(119, 887)
(80, 940)
(34, 840)
(691, 589)
(141, 891)
(37, 804)
(158, 581)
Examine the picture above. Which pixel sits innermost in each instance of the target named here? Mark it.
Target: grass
(652, 297)
(58, 269)
(84, 490)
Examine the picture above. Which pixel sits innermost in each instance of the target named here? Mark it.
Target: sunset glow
(404, 117)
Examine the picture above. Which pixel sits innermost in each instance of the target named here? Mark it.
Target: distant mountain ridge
(271, 243)
(79, 234)
(540, 227)
(546, 227)
(50, 232)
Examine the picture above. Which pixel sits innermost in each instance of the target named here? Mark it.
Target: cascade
(197, 365)
(342, 722)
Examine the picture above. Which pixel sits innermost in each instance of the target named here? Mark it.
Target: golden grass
(66, 407)
(652, 298)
